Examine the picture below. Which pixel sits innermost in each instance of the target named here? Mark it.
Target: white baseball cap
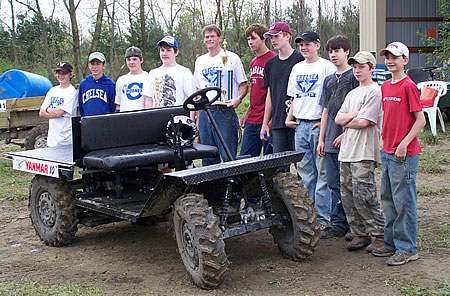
(397, 49)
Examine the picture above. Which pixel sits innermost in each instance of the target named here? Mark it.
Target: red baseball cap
(277, 28)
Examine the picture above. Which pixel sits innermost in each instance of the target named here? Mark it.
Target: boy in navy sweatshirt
(97, 92)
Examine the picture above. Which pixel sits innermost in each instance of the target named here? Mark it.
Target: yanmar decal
(36, 166)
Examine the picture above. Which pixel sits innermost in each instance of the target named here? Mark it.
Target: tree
(72, 9)
(97, 31)
(43, 28)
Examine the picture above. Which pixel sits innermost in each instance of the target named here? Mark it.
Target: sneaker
(376, 244)
(349, 236)
(358, 242)
(383, 252)
(331, 232)
(400, 259)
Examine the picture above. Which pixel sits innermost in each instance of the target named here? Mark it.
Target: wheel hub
(46, 209)
(40, 141)
(189, 245)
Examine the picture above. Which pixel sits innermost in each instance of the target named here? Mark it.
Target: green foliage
(431, 162)
(406, 287)
(426, 191)
(13, 183)
(441, 54)
(427, 138)
(25, 287)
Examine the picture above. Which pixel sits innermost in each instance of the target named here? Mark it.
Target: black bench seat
(120, 158)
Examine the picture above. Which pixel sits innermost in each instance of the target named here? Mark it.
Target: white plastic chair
(441, 87)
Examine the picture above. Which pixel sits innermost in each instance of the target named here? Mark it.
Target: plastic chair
(441, 86)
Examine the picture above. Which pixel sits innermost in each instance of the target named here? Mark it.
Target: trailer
(19, 119)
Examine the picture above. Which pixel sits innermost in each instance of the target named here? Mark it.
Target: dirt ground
(128, 259)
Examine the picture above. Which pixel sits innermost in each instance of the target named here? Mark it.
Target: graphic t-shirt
(400, 100)
(60, 129)
(258, 92)
(305, 86)
(362, 143)
(170, 86)
(207, 70)
(276, 76)
(129, 91)
(335, 88)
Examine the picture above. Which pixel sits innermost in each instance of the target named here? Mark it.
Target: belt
(217, 107)
(308, 120)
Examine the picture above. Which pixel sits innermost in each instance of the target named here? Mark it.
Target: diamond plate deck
(61, 155)
(237, 167)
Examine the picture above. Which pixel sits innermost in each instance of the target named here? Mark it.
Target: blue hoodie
(96, 96)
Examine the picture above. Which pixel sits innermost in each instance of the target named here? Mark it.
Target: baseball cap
(397, 49)
(277, 28)
(362, 57)
(308, 36)
(97, 56)
(133, 52)
(64, 67)
(169, 40)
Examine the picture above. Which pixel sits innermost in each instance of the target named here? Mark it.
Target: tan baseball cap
(397, 49)
(362, 57)
(97, 56)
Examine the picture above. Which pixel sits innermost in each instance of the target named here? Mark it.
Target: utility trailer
(19, 118)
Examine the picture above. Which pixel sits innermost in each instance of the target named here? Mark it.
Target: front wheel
(198, 238)
(37, 137)
(299, 233)
(52, 210)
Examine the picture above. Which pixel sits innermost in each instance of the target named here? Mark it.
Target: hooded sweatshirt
(96, 96)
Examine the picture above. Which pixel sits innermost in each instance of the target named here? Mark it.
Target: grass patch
(443, 237)
(242, 108)
(406, 287)
(434, 238)
(30, 287)
(427, 138)
(426, 191)
(431, 162)
(13, 184)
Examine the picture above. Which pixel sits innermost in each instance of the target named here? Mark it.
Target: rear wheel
(37, 137)
(299, 234)
(53, 210)
(198, 237)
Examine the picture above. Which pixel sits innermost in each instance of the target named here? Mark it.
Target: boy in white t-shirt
(305, 87)
(60, 104)
(360, 116)
(130, 87)
(171, 83)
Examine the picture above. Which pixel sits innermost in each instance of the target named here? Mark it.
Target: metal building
(385, 21)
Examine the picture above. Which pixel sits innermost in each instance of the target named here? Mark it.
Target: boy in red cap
(276, 76)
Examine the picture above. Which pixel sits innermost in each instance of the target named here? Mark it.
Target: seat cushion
(116, 159)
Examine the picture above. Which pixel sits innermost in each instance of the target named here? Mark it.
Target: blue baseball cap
(171, 41)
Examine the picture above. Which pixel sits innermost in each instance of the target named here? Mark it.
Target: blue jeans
(312, 169)
(337, 216)
(283, 140)
(399, 199)
(251, 142)
(228, 123)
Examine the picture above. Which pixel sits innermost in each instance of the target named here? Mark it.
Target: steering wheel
(199, 100)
